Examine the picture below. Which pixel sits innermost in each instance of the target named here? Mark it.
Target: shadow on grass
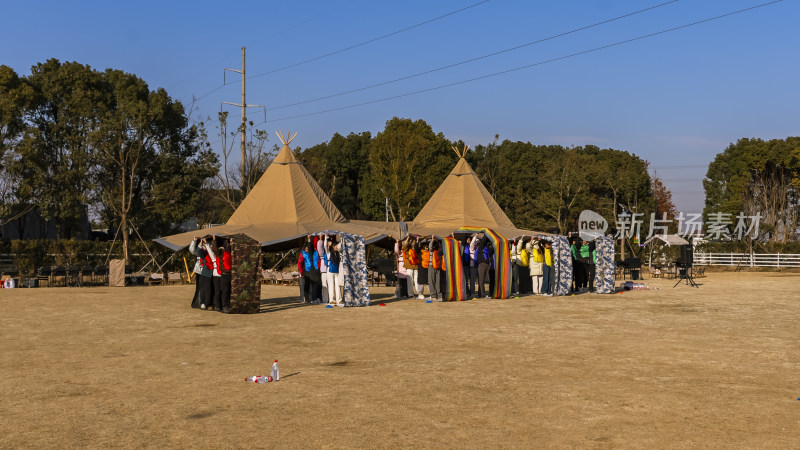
(282, 304)
(288, 303)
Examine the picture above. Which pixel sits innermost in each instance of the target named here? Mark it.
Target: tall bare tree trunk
(123, 210)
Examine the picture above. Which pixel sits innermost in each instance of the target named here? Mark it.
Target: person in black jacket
(483, 265)
(470, 267)
(590, 265)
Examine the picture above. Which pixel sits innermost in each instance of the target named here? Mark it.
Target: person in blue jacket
(311, 273)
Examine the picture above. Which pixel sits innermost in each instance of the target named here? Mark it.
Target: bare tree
(232, 183)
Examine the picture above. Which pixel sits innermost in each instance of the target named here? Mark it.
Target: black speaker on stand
(685, 263)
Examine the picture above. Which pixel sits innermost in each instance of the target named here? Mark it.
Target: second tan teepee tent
(463, 201)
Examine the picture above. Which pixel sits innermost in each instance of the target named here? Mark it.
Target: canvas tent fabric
(285, 205)
(604, 265)
(669, 239)
(463, 201)
(116, 272)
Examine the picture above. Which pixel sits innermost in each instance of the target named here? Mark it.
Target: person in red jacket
(224, 270)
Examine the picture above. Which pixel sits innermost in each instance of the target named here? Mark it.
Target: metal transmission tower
(244, 107)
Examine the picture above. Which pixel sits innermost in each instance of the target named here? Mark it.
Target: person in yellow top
(547, 269)
(535, 264)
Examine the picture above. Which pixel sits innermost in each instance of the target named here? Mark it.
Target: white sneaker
(420, 297)
(202, 306)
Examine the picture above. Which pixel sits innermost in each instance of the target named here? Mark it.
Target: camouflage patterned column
(605, 266)
(245, 272)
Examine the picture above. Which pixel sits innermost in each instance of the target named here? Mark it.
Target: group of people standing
(419, 264)
(212, 270)
(532, 257)
(321, 271)
(479, 266)
(584, 259)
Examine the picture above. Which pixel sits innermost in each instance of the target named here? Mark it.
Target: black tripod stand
(685, 273)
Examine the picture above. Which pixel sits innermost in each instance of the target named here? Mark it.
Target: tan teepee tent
(463, 201)
(285, 204)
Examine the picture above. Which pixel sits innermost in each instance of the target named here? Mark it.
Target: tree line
(77, 141)
(754, 176)
(540, 187)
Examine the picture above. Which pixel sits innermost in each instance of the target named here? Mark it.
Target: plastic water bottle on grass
(258, 379)
(275, 373)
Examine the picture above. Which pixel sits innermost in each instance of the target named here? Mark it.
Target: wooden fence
(748, 259)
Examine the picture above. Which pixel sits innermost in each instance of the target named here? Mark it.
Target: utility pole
(244, 107)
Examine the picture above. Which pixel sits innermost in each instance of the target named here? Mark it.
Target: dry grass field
(136, 367)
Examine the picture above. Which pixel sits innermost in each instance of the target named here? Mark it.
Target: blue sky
(676, 99)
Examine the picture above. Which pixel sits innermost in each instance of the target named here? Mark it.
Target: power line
(276, 33)
(316, 58)
(449, 66)
(680, 167)
(456, 83)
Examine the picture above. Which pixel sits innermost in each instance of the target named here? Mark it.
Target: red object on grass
(382, 304)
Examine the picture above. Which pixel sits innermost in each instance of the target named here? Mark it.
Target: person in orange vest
(435, 272)
(411, 262)
(423, 275)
